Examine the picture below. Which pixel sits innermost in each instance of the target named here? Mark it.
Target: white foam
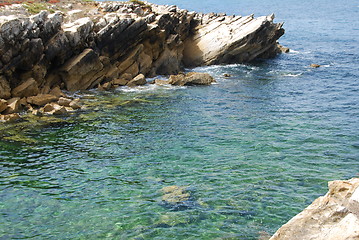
(293, 51)
(149, 88)
(292, 75)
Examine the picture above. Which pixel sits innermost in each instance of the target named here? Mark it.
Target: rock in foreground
(334, 216)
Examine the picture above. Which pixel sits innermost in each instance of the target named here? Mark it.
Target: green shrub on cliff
(37, 7)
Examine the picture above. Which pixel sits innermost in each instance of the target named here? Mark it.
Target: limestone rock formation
(111, 43)
(228, 39)
(334, 216)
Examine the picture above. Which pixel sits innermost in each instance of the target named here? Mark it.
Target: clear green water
(253, 149)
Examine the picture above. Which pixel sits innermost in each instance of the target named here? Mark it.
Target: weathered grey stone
(77, 32)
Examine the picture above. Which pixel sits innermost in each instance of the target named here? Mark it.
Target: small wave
(149, 88)
(293, 51)
(292, 75)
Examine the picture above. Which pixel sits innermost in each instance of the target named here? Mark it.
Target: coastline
(112, 44)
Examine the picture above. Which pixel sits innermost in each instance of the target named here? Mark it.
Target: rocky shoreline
(112, 44)
(334, 216)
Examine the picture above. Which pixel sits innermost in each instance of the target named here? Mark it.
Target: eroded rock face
(110, 44)
(83, 71)
(334, 216)
(228, 39)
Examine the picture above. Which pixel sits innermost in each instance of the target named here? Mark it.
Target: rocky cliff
(334, 216)
(113, 42)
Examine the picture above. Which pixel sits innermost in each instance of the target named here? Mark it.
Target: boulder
(161, 82)
(41, 99)
(10, 117)
(3, 105)
(192, 78)
(83, 71)
(26, 89)
(313, 65)
(48, 108)
(75, 104)
(283, 49)
(137, 81)
(107, 86)
(5, 90)
(53, 109)
(13, 105)
(60, 111)
(64, 101)
(334, 216)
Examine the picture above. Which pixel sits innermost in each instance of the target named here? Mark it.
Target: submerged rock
(176, 198)
(334, 216)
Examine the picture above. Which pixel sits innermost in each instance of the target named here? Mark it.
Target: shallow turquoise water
(253, 149)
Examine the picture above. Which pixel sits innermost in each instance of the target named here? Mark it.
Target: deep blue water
(253, 149)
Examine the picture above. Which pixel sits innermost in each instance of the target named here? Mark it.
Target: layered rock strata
(334, 216)
(115, 44)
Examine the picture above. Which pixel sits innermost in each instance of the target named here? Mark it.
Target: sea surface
(252, 150)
